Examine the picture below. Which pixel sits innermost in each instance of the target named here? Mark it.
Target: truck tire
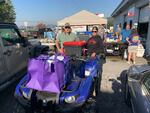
(127, 94)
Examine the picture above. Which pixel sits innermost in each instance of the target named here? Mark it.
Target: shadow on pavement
(7, 100)
(147, 59)
(113, 101)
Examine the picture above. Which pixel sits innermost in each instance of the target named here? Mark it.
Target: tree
(41, 28)
(110, 22)
(40, 25)
(7, 13)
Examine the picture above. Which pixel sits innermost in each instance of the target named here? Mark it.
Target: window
(120, 25)
(146, 83)
(9, 37)
(131, 24)
(124, 25)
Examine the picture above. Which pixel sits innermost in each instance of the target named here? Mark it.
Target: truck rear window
(9, 36)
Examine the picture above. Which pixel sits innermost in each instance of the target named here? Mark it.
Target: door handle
(8, 52)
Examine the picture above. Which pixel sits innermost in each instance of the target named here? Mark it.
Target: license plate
(109, 51)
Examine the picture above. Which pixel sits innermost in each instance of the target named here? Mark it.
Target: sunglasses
(67, 27)
(94, 31)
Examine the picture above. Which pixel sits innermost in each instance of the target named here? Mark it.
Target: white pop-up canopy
(83, 18)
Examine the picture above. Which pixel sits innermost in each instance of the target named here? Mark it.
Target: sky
(51, 11)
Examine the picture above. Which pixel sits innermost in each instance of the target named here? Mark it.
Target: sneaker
(128, 62)
(133, 62)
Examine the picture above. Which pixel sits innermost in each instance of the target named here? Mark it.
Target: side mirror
(134, 77)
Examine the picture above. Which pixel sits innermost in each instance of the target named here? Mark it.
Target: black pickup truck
(14, 53)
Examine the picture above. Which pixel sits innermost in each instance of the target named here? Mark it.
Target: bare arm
(120, 37)
(57, 44)
(58, 47)
(127, 39)
(139, 41)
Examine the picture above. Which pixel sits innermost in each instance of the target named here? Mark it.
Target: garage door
(144, 14)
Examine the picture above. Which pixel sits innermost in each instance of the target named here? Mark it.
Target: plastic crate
(140, 51)
(74, 48)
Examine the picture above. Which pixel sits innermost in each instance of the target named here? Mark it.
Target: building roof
(82, 18)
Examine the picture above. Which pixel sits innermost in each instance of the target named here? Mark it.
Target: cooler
(74, 48)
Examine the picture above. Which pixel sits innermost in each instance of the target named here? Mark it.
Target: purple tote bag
(46, 75)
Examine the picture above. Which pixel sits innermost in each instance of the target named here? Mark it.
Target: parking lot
(7, 100)
(111, 99)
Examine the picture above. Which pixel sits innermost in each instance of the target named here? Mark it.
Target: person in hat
(65, 36)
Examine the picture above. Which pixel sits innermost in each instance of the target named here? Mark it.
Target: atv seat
(73, 86)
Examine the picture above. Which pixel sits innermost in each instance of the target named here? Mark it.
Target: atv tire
(18, 108)
(97, 83)
(90, 106)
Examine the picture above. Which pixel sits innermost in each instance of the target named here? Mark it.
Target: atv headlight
(116, 48)
(70, 99)
(87, 73)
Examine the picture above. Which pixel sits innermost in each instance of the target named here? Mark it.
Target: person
(95, 48)
(125, 33)
(133, 40)
(65, 36)
(95, 44)
(49, 34)
(118, 31)
(114, 36)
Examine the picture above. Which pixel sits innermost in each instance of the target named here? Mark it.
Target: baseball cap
(67, 25)
(95, 28)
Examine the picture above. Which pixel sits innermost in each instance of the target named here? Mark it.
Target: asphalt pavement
(111, 98)
(7, 100)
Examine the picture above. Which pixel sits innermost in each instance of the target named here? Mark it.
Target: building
(137, 14)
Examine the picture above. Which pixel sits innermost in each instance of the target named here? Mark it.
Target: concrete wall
(141, 3)
(148, 40)
(120, 18)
